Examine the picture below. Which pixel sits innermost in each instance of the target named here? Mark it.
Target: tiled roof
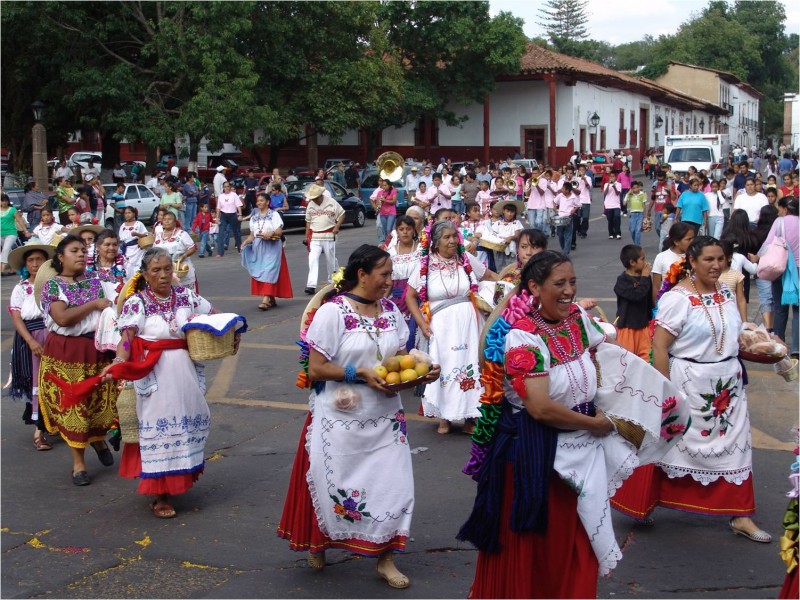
(541, 61)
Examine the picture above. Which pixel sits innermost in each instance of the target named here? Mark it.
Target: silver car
(138, 196)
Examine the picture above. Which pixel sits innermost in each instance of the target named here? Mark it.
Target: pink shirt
(228, 203)
(586, 189)
(442, 198)
(426, 197)
(388, 202)
(536, 197)
(566, 204)
(611, 195)
(484, 198)
(624, 179)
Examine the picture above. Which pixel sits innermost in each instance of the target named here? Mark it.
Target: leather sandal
(759, 535)
(162, 509)
(389, 573)
(444, 427)
(104, 454)
(316, 560)
(41, 443)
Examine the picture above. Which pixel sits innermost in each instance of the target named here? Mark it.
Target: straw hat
(314, 191)
(519, 204)
(313, 304)
(127, 292)
(16, 260)
(46, 273)
(76, 231)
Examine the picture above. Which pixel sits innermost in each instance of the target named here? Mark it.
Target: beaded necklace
(718, 346)
(166, 307)
(451, 266)
(565, 358)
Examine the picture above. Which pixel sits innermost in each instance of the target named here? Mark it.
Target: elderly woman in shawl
(263, 256)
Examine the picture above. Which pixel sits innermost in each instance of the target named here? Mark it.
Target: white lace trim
(609, 562)
(624, 471)
(432, 411)
(736, 477)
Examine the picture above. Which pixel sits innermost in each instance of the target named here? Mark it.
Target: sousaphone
(390, 165)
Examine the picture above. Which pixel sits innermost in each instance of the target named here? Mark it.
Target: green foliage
(565, 22)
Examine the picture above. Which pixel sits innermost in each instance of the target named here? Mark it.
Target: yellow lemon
(407, 362)
(392, 377)
(422, 368)
(408, 375)
(392, 364)
(381, 371)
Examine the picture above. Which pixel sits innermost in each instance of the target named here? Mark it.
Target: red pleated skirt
(280, 289)
(130, 467)
(790, 586)
(557, 564)
(649, 487)
(299, 524)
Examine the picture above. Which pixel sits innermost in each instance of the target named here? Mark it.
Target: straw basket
(204, 345)
(791, 372)
(630, 431)
(56, 239)
(181, 269)
(498, 246)
(147, 241)
(128, 419)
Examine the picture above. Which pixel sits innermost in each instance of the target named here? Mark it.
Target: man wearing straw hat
(324, 217)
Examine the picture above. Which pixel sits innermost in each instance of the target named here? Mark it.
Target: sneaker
(611, 237)
(201, 255)
(310, 291)
(619, 237)
(574, 247)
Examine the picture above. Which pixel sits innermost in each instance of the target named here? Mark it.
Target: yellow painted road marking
(293, 348)
(222, 382)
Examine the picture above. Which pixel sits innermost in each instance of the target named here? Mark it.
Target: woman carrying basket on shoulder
(174, 418)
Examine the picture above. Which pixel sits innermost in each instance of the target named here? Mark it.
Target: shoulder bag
(772, 263)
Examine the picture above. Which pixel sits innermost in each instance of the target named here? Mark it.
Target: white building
(791, 120)
(739, 99)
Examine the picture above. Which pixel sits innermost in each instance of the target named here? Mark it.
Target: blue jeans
(658, 217)
(715, 225)
(190, 211)
(458, 206)
(765, 298)
(537, 218)
(583, 230)
(228, 223)
(635, 226)
(387, 224)
(782, 316)
(614, 221)
(564, 233)
(203, 243)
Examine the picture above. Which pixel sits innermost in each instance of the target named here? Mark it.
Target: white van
(702, 151)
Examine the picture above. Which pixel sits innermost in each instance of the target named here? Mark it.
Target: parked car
(81, 159)
(16, 196)
(528, 163)
(163, 163)
(136, 195)
(369, 181)
(597, 166)
(296, 215)
(331, 163)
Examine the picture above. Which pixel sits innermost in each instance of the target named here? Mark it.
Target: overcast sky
(621, 21)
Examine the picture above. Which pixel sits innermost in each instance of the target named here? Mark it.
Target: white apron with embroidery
(174, 418)
(360, 476)
(595, 467)
(454, 343)
(718, 443)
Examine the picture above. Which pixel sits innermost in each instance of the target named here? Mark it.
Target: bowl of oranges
(404, 371)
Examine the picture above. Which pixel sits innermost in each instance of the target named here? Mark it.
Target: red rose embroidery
(520, 360)
(695, 301)
(669, 405)
(467, 384)
(721, 402)
(525, 324)
(705, 432)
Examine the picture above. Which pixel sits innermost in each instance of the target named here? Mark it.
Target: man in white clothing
(219, 180)
(412, 182)
(750, 201)
(324, 217)
(64, 171)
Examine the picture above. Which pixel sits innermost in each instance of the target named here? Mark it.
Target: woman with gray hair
(174, 418)
(441, 297)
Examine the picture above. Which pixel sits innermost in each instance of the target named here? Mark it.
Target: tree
(177, 70)
(565, 23)
(450, 53)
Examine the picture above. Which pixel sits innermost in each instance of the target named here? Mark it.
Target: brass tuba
(510, 185)
(390, 166)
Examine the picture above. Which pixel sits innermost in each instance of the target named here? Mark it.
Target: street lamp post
(658, 123)
(702, 125)
(39, 143)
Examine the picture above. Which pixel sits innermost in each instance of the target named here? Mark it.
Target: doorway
(582, 140)
(534, 143)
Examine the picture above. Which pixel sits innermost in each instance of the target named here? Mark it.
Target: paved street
(101, 541)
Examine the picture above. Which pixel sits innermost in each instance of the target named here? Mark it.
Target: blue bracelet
(349, 374)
